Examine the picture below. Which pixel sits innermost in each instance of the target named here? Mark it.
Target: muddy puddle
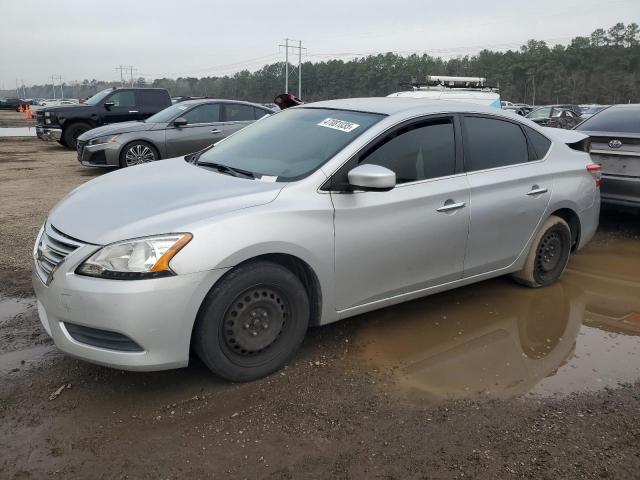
(497, 339)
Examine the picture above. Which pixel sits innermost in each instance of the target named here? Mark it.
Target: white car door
(413, 236)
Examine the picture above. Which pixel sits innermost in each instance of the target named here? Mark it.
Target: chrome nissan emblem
(615, 144)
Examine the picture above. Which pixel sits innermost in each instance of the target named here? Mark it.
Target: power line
(286, 63)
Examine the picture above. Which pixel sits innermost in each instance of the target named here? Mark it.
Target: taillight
(596, 173)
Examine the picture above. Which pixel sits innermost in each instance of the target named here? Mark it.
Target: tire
(136, 153)
(72, 132)
(548, 256)
(252, 321)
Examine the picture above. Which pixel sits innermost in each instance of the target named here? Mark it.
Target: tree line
(601, 68)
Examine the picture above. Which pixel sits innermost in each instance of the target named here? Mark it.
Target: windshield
(614, 119)
(540, 113)
(591, 110)
(163, 116)
(98, 96)
(290, 144)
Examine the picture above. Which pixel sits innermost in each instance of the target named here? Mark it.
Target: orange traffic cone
(20, 109)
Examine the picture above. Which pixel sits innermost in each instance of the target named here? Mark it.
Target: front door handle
(216, 130)
(449, 205)
(133, 111)
(536, 190)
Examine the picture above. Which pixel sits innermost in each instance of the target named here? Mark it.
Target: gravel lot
(489, 381)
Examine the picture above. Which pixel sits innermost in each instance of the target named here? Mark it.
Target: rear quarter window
(539, 142)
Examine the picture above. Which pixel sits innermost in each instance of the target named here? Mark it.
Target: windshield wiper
(236, 172)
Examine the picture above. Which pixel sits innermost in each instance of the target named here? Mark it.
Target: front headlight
(47, 114)
(103, 139)
(135, 259)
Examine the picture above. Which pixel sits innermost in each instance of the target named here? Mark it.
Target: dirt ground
(489, 381)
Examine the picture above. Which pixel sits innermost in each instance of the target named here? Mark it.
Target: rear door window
(154, 98)
(492, 143)
(260, 112)
(237, 112)
(540, 113)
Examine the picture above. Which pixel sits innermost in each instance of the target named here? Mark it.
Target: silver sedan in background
(312, 215)
(180, 129)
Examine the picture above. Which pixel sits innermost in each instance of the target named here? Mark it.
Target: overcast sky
(80, 39)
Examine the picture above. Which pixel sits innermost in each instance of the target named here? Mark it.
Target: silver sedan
(183, 128)
(312, 215)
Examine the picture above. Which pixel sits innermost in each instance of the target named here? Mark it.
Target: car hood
(116, 128)
(160, 197)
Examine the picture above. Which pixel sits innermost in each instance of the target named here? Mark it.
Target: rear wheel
(136, 153)
(252, 322)
(72, 132)
(548, 256)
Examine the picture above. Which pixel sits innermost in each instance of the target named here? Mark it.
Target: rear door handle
(216, 130)
(535, 190)
(133, 111)
(449, 206)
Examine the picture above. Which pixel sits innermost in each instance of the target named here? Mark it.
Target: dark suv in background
(65, 124)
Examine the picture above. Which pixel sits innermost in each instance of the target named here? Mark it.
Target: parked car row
(183, 128)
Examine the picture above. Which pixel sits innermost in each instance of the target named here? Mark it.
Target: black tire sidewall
(208, 341)
(69, 142)
(556, 273)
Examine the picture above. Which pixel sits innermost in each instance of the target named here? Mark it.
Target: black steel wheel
(548, 256)
(252, 321)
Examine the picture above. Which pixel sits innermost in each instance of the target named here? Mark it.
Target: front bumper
(157, 314)
(100, 155)
(48, 134)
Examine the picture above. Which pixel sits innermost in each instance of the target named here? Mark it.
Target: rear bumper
(619, 190)
(48, 134)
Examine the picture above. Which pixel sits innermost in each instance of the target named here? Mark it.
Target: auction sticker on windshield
(338, 124)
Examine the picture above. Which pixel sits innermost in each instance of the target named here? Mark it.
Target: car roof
(399, 105)
(199, 101)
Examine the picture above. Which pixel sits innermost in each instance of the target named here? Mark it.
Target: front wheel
(71, 134)
(252, 321)
(136, 153)
(549, 254)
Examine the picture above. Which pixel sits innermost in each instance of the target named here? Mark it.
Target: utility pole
(61, 90)
(299, 68)
(53, 86)
(131, 70)
(286, 64)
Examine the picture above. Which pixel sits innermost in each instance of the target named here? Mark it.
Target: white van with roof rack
(463, 89)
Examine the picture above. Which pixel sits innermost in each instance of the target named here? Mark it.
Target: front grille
(102, 338)
(53, 248)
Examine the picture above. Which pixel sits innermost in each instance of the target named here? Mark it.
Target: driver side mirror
(372, 177)
(108, 105)
(180, 122)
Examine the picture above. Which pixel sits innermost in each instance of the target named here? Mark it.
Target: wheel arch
(573, 220)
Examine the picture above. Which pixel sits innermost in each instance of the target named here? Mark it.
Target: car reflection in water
(499, 340)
